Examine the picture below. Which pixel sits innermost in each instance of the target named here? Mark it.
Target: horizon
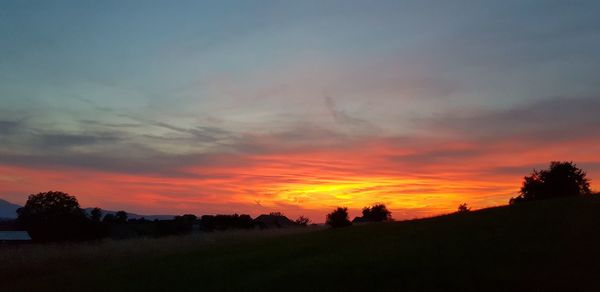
(224, 107)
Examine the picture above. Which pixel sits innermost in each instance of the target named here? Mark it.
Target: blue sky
(86, 82)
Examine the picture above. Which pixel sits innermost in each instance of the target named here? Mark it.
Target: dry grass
(549, 245)
(19, 260)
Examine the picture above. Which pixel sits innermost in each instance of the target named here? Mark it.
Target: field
(546, 245)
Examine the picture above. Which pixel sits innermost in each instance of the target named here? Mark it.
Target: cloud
(8, 127)
(477, 157)
(198, 133)
(63, 140)
(545, 120)
(450, 139)
(354, 124)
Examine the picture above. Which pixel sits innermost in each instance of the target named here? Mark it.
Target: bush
(463, 208)
(302, 221)
(376, 213)
(338, 218)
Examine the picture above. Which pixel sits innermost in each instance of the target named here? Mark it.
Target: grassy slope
(552, 245)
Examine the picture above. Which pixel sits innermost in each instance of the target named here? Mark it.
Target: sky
(220, 107)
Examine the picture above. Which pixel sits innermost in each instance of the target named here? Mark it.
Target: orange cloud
(310, 182)
(307, 171)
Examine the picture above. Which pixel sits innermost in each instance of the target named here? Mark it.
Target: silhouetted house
(14, 237)
(273, 221)
(359, 220)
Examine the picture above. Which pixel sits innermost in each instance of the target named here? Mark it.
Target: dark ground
(551, 245)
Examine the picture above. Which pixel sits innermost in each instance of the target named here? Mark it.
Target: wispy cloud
(474, 156)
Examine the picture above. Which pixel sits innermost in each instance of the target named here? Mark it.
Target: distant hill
(8, 210)
(135, 216)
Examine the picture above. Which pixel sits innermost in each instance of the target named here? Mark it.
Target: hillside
(547, 245)
(8, 210)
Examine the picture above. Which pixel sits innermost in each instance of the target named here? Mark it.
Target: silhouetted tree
(190, 218)
(207, 223)
(223, 222)
(121, 217)
(562, 179)
(96, 214)
(96, 228)
(179, 225)
(302, 221)
(463, 208)
(54, 216)
(243, 221)
(184, 223)
(377, 213)
(338, 218)
(108, 219)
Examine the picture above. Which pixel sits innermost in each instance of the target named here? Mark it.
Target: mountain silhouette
(8, 210)
(133, 215)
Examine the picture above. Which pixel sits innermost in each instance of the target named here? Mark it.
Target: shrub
(376, 213)
(302, 221)
(338, 218)
(463, 208)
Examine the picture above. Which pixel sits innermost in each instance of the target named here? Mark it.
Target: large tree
(562, 179)
(53, 216)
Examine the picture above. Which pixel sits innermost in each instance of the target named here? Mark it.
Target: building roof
(274, 220)
(14, 236)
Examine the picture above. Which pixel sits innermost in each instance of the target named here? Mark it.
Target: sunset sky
(171, 107)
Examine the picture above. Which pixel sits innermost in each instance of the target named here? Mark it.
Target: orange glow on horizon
(297, 183)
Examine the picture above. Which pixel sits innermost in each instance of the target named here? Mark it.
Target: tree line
(57, 216)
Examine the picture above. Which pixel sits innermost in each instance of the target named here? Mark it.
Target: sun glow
(331, 192)
(356, 193)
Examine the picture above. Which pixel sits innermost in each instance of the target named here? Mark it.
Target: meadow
(543, 245)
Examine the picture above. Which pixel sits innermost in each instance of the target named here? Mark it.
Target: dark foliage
(56, 216)
(302, 221)
(376, 213)
(108, 219)
(223, 222)
(121, 217)
(338, 218)
(179, 225)
(96, 215)
(562, 179)
(359, 219)
(463, 208)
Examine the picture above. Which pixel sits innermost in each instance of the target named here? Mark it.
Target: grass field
(549, 245)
